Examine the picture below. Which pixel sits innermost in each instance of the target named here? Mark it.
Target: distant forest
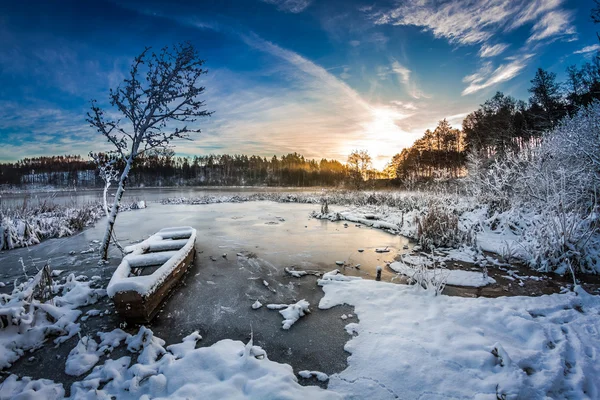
(165, 169)
(500, 126)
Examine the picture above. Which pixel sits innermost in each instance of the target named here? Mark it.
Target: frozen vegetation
(40, 307)
(31, 223)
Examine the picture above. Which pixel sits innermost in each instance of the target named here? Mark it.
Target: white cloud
(492, 50)
(292, 6)
(354, 43)
(345, 73)
(486, 77)
(466, 22)
(588, 49)
(405, 105)
(553, 24)
(404, 78)
(402, 72)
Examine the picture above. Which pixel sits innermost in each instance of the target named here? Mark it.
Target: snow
(454, 277)
(411, 344)
(146, 285)
(27, 388)
(321, 376)
(225, 370)
(27, 322)
(256, 305)
(291, 312)
(294, 273)
(82, 357)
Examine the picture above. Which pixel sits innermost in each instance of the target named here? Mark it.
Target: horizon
(317, 78)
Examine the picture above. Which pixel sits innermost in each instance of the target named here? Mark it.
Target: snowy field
(243, 326)
(408, 343)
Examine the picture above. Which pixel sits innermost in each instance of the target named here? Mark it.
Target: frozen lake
(148, 194)
(216, 296)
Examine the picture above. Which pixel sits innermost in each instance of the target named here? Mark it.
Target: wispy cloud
(588, 49)
(487, 76)
(553, 24)
(492, 50)
(404, 76)
(472, 22)
(292, 6)
(405, 105)
(345, 73)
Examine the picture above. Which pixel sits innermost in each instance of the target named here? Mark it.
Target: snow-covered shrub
(40, 307)
(431, 279)
(439, 227)
(558, 182)
(30, 224)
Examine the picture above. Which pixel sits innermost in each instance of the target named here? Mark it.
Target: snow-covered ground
(411, 344)
(408, 343)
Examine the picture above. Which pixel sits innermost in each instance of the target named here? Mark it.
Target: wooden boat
(149, 272)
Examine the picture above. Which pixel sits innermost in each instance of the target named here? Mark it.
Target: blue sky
(320, 77)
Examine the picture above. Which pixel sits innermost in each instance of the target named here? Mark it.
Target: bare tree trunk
(114, 211)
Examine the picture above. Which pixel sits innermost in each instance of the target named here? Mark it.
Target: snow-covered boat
(149, 272)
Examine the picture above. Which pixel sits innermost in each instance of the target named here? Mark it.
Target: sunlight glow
(382, 137)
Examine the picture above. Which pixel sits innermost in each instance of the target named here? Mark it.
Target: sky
(317, 77)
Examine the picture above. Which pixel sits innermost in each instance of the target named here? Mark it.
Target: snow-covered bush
(40, 307)
(431, 279)
(439, 227)
(559, 182)
(30, 224)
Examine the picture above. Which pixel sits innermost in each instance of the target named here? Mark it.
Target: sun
(382, 135)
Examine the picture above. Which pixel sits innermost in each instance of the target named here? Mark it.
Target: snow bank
(414, 345)
(164, 239)
(453, 277)
(226, 370)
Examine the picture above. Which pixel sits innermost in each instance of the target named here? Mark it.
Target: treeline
(439, 153)
(165, 169)
(502, 125)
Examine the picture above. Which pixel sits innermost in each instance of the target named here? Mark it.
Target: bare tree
(359, 164)
(109, 173)
(156, 100)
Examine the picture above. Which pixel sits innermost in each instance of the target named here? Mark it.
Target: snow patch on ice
(453, 277)
(227, 369)
(291, 312)
(321, 376)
